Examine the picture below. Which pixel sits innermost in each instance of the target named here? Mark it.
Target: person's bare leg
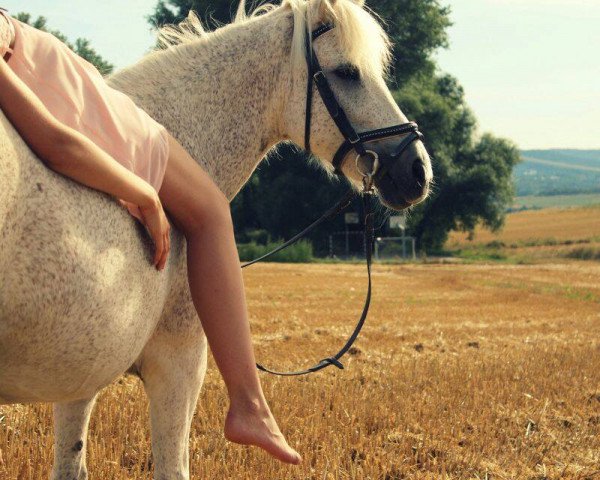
(202, 212)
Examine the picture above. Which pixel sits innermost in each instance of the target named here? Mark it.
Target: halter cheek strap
(316, 76)
(310, 61)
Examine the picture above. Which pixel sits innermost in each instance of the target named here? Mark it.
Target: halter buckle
(355, 139)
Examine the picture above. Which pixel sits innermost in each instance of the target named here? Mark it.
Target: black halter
(380, 165)
(353, 140)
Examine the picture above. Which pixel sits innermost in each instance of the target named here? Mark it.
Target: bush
(496, 244)
(259, 236)
(301, 252)
(482, 255)
(584, 254)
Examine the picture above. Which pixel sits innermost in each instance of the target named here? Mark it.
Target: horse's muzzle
(404, 180)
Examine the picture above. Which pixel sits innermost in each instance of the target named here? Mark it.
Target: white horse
(80, 302)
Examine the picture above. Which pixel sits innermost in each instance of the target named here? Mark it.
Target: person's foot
(255, 425)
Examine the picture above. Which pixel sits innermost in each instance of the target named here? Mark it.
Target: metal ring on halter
(368, 176)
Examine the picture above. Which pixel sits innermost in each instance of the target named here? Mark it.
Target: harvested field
(577, 223)
(463, 372)
(536, 236)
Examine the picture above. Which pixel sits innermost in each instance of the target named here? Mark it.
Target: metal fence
(349, 244)
(346, 245)
(395, 247)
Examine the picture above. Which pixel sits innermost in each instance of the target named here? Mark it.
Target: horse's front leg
(70, 439)
(172, 368)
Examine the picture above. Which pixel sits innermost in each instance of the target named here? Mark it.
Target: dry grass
(463, 372)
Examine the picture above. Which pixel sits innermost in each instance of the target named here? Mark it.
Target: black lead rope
(352, 141)
(314, 70)
(339, 207)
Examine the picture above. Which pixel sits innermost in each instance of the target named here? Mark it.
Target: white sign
(352, 218)
(398, 221)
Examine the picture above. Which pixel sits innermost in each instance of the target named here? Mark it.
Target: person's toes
(294, 458)
(281, 450)
(262, 433)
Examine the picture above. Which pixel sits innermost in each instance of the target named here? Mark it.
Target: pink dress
(77, 95)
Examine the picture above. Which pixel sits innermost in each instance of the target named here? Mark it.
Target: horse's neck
(220, 97)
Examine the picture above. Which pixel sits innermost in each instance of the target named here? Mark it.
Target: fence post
(347, 242)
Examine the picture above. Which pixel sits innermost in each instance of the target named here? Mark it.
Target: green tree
(417, 30)
(211, 11)
(473, 175)
(81, 47)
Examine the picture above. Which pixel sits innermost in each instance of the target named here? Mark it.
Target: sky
(530, 68)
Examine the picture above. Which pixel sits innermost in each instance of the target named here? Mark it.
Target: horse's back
(79, 297)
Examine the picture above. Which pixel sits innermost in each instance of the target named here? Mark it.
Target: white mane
(362, 38)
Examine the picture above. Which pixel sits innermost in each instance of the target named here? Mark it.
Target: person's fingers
(163, 258)
(158, 249)
(167, 246)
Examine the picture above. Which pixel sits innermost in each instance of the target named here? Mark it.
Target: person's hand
(157, 224)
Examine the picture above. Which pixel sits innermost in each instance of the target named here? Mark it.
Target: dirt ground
(463, 372)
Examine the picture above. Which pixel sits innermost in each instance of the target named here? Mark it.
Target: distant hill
(558, 172)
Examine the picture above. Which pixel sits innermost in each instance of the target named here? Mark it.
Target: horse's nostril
(418, 170)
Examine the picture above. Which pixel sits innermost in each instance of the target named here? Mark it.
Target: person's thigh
(187, 192)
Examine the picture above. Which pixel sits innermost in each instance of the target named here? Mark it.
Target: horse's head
(354, 57)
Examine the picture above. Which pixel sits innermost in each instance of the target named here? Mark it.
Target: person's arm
(70, 153)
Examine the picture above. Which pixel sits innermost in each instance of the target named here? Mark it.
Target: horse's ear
(325, 10)
(360, 3)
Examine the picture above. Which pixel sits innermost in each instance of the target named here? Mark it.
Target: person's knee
(213, 213)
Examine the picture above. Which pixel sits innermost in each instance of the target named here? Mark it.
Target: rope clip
(367, 177)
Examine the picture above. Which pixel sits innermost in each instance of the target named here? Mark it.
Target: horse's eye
(348, 72)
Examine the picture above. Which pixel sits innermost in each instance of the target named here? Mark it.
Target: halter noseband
(352, 140)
